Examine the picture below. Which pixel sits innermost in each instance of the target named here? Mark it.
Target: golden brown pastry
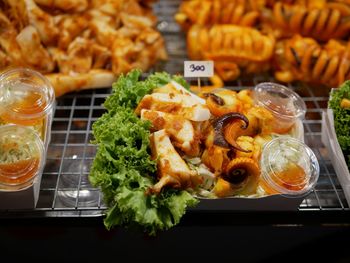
(304, 59)
(307, 3)
(321, 22)
(232, 48)
(210, 12)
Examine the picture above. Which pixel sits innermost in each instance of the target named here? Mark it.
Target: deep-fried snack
(321, 23)
(210, 12)
(79, 44)
(95, 78)
(232, 48)
(304, 59)
(306, 3)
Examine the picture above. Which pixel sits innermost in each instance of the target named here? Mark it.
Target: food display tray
(65, 190)
(329, 139)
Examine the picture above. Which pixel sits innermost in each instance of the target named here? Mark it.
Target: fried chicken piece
(66, 5)
(142, 53)
(17, 13)
(79, 55)
(43, 22)
(101, 56)
(5, 60)
(69, 26)
(33, 52)
(134, 21)
(103, 28)
(95, 78)
(8, 41)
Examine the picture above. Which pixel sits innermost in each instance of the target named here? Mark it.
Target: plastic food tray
(65, 190)
(329, 138)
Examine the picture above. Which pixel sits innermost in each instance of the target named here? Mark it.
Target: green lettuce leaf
(128, 90)
(342, 118)
(123, 168)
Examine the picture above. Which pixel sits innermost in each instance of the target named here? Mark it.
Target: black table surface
(244, 237)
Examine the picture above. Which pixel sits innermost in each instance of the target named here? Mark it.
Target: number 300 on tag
(198, 69)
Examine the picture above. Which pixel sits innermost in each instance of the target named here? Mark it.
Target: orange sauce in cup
(280, 125)
(28, 169)
(32, 104)
(21, 156)
(292, 178)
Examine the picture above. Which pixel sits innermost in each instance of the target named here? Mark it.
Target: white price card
(198, 69)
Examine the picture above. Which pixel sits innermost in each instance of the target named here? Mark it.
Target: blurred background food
(79, 44)
(300, 40)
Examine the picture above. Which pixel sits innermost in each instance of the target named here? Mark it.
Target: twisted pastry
(209, 12)
(323, 23)
(306, 3)
(232, 48)
(304, 59)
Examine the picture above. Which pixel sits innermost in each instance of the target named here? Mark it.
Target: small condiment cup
(285, 104)
(288, 167)
(22, 155)
(27, 98)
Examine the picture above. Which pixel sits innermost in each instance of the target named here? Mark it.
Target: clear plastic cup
(27, 98)
(288, 167)
(77, 190)
(285, 105)
(22, 155)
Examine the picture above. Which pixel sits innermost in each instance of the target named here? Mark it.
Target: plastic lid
(21, 156)
(25, 94)
(280, 100)
(289, 166)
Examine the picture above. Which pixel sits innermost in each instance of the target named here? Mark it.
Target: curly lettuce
(342, 118)
(123, 168)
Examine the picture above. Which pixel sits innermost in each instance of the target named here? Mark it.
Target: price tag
(198, 69)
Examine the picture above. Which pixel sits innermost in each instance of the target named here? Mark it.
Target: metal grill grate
(65, 190)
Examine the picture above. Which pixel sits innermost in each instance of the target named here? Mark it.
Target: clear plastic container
(288, 167)
(22, 155)
(75, 189)
(286, 105)
(27, 98)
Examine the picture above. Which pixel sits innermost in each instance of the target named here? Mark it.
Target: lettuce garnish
(342, 118)
(123, 168)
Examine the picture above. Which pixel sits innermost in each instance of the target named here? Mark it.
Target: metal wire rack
(65, 190)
